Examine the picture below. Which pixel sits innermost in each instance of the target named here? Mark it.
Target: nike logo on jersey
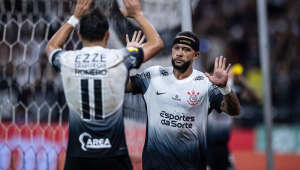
(158, 93)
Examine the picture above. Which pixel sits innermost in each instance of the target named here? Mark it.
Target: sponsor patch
(87, 142)
(177, 120)
(176, 98)
(199, 78)
(147, 75)
(163, 72)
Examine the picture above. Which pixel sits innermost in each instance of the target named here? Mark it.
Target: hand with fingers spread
(133, 8)
(221, 72)
(136, 41)
(81, 8)
(154, 43)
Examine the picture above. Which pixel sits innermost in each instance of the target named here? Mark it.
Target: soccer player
(178, 100)
(94, 80)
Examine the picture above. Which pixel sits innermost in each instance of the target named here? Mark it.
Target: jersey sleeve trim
(140, 82)
(52, 55)
(215, 98)
(137, 84)
(54, 58)
(134, 57)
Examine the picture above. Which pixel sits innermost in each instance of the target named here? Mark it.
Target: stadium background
(33, 112)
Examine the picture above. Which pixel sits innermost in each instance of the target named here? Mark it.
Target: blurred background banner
(33, 111)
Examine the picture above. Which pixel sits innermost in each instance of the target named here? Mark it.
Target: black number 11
(86, 102)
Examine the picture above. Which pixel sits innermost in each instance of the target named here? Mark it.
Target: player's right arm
(60, 37)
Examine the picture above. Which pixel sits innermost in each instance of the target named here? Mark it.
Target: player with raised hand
(94, 79)
(136, 41)
(178, 100)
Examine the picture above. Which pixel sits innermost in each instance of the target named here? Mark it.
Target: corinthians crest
(194, 98)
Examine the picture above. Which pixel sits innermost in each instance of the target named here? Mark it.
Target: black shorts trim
(114, 163)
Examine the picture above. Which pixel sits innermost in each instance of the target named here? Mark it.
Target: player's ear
(79, 35)
(106, 36)
(196, 55)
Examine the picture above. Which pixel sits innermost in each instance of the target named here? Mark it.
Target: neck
(182, 75)
(94, 43)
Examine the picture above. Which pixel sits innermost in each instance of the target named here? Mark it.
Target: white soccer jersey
(177, 117)
(94, 84)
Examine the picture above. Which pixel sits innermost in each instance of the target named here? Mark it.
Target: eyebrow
(182, 36)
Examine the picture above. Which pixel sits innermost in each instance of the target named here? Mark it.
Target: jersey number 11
(86, 102)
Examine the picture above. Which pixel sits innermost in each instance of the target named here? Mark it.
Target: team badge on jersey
(194, 98)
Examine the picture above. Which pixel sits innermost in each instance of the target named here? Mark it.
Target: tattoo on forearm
(232, 104)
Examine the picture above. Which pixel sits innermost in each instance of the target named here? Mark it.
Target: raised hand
(81, 8)
(221, 72)
(136, 41)
(133, 8)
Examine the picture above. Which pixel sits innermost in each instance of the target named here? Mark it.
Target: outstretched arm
(61, 36)
(154, 43)
(136, 42)
(230, 103)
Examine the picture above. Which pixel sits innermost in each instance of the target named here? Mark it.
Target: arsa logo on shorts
(87, 142)
(193, 98)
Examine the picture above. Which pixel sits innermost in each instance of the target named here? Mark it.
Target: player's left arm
(61, 36)
(230, 103)
(154, 42)
(136, 41)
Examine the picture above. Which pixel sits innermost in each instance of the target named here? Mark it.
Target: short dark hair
(93, 25)
(190, 35)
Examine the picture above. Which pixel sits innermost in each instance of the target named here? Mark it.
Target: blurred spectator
(245, 92)
(249, 90)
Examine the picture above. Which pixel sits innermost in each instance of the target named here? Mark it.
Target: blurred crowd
(28, 84)
(231, 30)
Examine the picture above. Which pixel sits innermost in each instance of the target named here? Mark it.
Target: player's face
(182, 56)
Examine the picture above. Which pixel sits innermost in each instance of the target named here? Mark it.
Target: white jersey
(177, 117)
(94, 80)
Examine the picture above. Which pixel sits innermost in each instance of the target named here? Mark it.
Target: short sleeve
(133, 57)
(215, 98)
(140, 82)
(54, 58)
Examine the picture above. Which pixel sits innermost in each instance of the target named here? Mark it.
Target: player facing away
(178, 100)
(94, 80)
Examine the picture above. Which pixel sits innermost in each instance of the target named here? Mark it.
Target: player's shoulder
(109, 50)
(158, 71)
(63, 55)
(200, 77)
(96, 51)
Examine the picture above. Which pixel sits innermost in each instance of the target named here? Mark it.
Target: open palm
(221, 72)
(137, 41)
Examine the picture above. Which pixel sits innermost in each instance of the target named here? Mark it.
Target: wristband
(73, 21)
(225, 90)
